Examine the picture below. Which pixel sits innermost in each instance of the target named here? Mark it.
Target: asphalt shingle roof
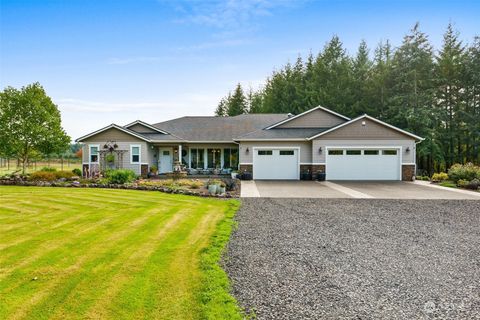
(216, 128)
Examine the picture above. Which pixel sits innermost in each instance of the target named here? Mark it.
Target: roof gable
(368, 128)
(143, 127)
(115, 133)
(318, 117)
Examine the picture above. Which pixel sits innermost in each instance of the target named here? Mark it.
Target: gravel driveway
(357, 258)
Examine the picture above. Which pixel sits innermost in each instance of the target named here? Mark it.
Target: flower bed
(195, 187)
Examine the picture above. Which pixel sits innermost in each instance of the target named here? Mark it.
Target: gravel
(357, 259)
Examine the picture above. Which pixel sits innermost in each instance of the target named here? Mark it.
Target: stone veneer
(408, 172)
(246, 168)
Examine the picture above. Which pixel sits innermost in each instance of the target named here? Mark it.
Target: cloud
(230, 14)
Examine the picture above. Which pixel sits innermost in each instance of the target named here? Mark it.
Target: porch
(196, 159)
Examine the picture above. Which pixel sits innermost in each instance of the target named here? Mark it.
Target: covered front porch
(196, 159)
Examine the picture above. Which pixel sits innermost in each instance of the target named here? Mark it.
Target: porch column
(180, 153)
(205, 158)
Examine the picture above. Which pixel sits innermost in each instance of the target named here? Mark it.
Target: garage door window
(354, 152)
(370, 152)
(389, 152)
(335, 152)
(286, 152)
(265, 152)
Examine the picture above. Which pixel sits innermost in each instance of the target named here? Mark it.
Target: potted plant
(221, 188)
(154, 169)
(212, 188)
(234, 174)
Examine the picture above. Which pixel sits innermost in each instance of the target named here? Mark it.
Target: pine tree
(362, 81)
(237, 104)
(221, 108)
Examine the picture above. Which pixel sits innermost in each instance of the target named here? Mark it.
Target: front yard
(112, 254)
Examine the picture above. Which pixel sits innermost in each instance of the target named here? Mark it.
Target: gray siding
(315, 119)
(371, 130)
(305, 149)
(407, 157)
(145, 153)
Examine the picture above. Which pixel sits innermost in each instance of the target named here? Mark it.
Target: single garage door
(276, 164)
(363, 164)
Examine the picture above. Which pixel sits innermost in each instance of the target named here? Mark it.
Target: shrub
(464, 172)
(63, 174)
(230, 184)
(438, 177)
(77, 172)
(119, 176)
(48, 169)
(472, 185)
(43, 176)
(153, 169)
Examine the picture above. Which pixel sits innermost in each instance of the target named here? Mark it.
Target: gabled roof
(304, 113)
(365, 116)
(113, 125)
(149, 126)
(217, 129)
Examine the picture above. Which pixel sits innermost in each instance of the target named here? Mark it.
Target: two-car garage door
(363, 164)
(276, 164)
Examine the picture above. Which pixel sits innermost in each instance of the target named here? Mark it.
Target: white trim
(246, 163)
(139, 153)
(282, 147)
(311, 163)
(273, 140)
(304, 113)
(370, 118)
(113, 125)
(409, 164)
(145, 125)
(90, 154)
(400, 148)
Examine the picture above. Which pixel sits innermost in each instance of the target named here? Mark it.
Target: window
(213, 158)
(354, 152)
(335, 152)
(370, 152)
(166, 152)
(230, 158)
(196, 158)
(135, 154)
(93, 154)
(287, 152)
(389, 152)
(265, 152)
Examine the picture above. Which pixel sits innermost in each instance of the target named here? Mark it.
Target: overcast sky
(117, 61)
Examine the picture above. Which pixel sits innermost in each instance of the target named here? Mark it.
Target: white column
(180, 153)
(205, 158)
(221, 158)
(189, 158)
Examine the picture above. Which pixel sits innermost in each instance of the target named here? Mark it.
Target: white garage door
(275, 164)
(363, 164)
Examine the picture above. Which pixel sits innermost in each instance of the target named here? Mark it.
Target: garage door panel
(369, 165)
(276, 164)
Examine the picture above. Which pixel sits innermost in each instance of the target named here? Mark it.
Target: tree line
(434, 94)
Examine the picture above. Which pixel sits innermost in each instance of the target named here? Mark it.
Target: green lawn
(68, 165)
(112, 254)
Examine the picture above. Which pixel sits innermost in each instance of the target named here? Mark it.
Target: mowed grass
(112, 254)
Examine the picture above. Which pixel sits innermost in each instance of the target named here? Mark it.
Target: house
(270, 146)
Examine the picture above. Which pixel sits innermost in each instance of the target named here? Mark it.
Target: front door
(165, 160)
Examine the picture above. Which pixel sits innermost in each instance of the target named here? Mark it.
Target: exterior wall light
(247, 151)
(408, 149)
(364, 123)
(320, 150)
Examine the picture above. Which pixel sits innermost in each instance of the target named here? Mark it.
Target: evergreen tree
(362, 81)
(221, 108)
(237, 104)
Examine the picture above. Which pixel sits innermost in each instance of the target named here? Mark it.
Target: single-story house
(270, 146)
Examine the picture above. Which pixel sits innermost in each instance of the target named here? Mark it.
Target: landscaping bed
(125, 179)
(465, 176)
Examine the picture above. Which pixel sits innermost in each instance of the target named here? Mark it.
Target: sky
(107, 61)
